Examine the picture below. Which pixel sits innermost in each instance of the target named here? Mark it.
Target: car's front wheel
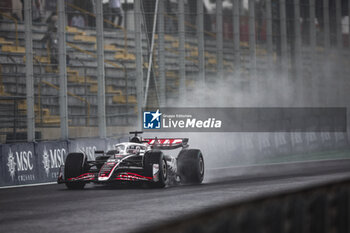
(156, 167)
(74, 167)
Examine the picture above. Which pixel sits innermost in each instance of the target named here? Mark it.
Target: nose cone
(106, 171)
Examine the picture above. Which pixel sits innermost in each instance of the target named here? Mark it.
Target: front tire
(190, 165)
(156, 158)
(75, 166)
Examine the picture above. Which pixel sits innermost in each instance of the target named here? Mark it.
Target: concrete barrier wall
(30, 163)
(232, 149)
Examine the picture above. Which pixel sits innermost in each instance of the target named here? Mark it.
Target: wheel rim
(164, 170)
(201, 165)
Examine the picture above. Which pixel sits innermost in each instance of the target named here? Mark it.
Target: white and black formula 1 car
(139, 160)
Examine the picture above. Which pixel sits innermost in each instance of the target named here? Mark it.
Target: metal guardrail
(315, 209)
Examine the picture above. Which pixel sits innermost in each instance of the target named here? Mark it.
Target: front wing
(119, 175)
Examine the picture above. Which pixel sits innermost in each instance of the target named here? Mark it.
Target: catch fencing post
(269, 33)
(270, 68)
(161, 54)
(138, 52)
(219, 40)
(314, 79)
(236, 43)
(339, 53)
(297, 55)
(62, 69)
(327, 79)
(201, 58)
(284, 48)
(252, 49)
(101, 98)
(182, 62)
(29, 71)
(349, 24)
(338, 16)
(236, 37)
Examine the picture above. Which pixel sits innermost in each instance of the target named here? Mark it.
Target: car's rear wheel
(190, 164)
(75, 166)
(156, 167)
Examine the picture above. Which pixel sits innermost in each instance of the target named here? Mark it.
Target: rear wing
(166, 143)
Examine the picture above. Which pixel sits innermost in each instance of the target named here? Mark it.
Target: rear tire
(190, 164)
(156, 157)
(75, 166)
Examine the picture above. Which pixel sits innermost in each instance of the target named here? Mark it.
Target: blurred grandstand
(194, 41)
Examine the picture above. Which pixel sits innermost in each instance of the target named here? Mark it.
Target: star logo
(46, 162)
(156, 115)
(11, 164)
(152, 120)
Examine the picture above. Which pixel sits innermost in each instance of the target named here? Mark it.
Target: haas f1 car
(137, 161)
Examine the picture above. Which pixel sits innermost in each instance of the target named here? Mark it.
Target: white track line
(26, 185)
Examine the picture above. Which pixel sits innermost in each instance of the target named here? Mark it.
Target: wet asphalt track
(52, 208)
